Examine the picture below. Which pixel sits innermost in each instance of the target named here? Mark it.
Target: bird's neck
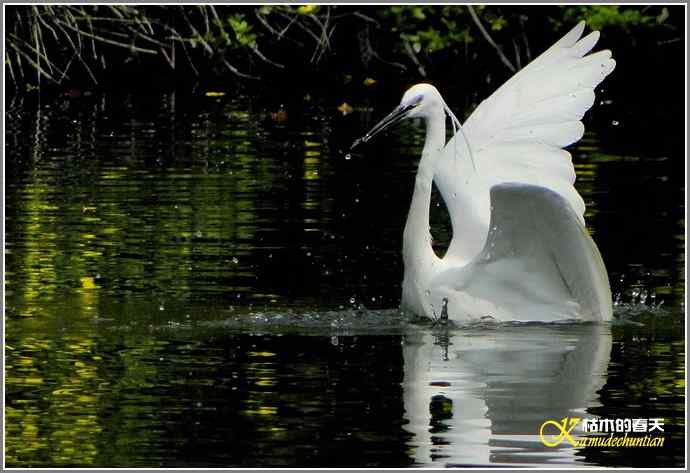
(435, 134)
(418, 253)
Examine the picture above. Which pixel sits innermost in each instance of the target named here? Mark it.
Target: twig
(8, 61)
(291, 19)
(17, 42)
(265, 59)
(204, 15)
(324, 40)
(234, 70)
(167, 58)
(73, 25)
(525, 41)
(197, 35)
(366, 18)
(20, 66)
(516, 50)
(669, 41)
(189, 59)
(316, 38)
(107, 40)
(39, 17)
(177, 37)
(413, 56)
(40, 44)
(93, 42)
(278, 34)
(370, 50)
(219, 22)
(37, 66)
(490, 40)
(77, 51)
(64, 72)
(116, 11)
(145, 22)
(38, 53)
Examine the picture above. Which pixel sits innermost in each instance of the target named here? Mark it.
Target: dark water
(201, 281)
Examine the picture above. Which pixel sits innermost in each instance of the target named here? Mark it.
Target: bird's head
(419, 101)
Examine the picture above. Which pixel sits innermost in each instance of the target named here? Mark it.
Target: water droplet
(348, 156)
(427, 292)
(235, 260)
(635, 294)
(615, 122)
(162, 307)
(353, 300)
(308, 253)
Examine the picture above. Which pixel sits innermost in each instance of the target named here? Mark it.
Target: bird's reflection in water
(478, 396)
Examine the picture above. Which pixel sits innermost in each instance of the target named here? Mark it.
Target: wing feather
(517, 135)
(538, 263)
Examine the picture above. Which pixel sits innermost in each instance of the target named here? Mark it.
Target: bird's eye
(417, 100)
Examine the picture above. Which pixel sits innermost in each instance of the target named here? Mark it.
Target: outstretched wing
(538, 263)
(517, 134)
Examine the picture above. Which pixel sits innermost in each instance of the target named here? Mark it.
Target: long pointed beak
(398, 114)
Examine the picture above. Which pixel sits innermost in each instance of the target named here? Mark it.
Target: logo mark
(564, 428)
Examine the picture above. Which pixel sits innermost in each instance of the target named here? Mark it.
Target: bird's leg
(443, 319)
(444, 312)
(442, 339)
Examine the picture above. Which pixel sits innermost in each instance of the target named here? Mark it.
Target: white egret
(498, 387)
(520, 249)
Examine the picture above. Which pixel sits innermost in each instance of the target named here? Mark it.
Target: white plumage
(499, 386)
(520, 250)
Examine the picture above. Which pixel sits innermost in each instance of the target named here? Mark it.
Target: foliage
(49, 43)
(429, 28)
(602, 17)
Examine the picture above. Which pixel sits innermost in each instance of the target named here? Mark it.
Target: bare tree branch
(490, 40)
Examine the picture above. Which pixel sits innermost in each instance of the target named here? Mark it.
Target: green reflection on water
(97, 220)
